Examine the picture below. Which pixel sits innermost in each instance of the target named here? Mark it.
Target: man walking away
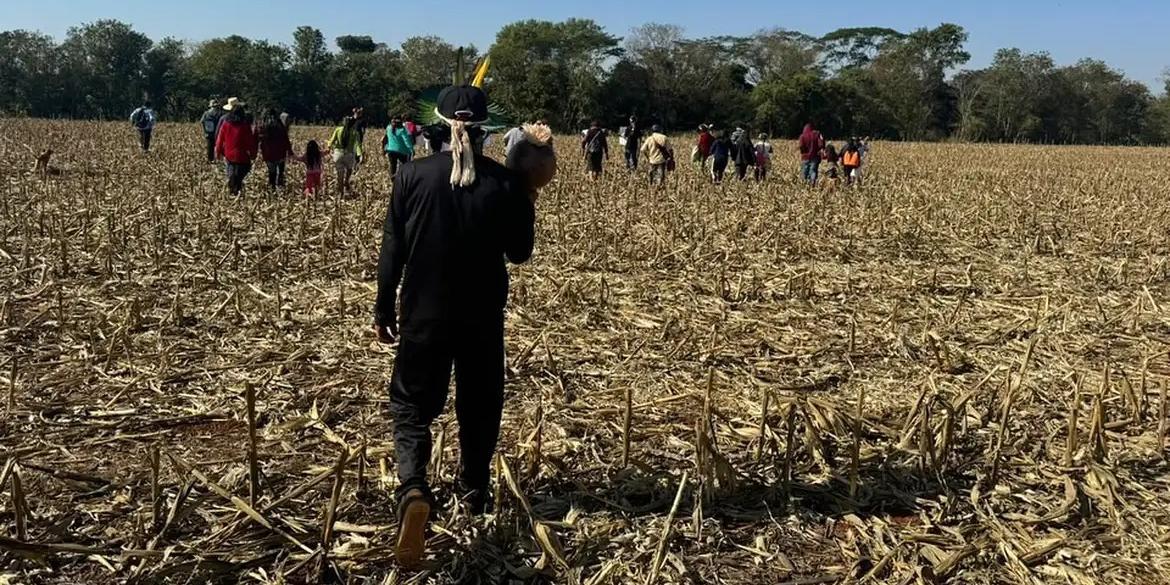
(595, 147)
(210, 123)
(236, 143)
(659, 154)
(811, 144)
(143, 119)
(633, 142)
(451, 222)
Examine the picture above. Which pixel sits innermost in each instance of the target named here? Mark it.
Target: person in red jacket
(706, 140)
(236, 143)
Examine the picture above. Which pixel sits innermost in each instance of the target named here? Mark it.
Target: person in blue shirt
(398, 144)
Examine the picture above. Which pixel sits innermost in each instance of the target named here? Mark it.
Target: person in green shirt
(344, 145)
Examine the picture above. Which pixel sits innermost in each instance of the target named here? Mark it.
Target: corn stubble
(956, 373)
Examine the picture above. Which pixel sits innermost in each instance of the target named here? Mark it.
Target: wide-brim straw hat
(234, 103)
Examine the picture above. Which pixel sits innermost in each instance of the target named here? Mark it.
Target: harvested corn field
(957, 373)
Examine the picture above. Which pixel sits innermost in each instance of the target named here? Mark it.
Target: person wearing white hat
(235, 143)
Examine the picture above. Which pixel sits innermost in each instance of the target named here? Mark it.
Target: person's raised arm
(391, 261)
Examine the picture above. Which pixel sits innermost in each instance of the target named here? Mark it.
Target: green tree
(166, 79)
(310, 70)
(551, 70)
(105, 64)
(429, 61)
(235, 66)
(31, 77)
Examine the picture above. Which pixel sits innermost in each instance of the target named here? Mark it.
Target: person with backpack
(275, 147)
(142, 118)
(451, 226)
(209, 122)
(811, 144)
(595, 146)
(398, 145)
(633, 140)
(235, 143)
(743, 152)
(659, 153)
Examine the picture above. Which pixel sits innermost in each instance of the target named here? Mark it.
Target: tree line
(863, 81)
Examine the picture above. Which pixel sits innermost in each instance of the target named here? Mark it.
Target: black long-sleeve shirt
(447, 245)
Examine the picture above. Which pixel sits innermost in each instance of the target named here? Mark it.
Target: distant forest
(862, 81)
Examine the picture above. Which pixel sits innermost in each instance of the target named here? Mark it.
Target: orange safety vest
(852, 159)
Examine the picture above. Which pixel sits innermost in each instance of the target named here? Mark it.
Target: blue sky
(1127, 34)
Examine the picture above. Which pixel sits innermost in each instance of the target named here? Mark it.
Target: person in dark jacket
(633, 139)
(451, 222)
(743, 152)
(275, 147)
(209, 124)
(595, 147)
(235, 143)
(720, 152)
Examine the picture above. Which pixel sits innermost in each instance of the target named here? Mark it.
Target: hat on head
(213, 103)
(234, 103)
(463, 103)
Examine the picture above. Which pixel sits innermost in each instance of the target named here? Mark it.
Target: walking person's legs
(280, 173)
(479, 404)
(210, 147)
(272, 172)
(418, 392)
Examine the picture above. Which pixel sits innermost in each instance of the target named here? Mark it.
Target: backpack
(141, 119)
(597, 143)
(210, 123)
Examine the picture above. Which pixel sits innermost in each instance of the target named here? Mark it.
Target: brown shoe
(413, 513)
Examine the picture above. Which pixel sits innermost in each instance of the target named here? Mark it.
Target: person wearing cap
(235, 143)
(659, 154)
(210, 123)
(451, 223)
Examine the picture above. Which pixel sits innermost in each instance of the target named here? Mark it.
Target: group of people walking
(715, 152)
(233, 136)
(844, 165)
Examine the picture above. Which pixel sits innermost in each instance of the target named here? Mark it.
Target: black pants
(144, 139)
(396, 160)
(418, 393)
(236, 173)
(275, 174)
(718, 167)
(632, 159)
(210, 147)
(741, 171)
